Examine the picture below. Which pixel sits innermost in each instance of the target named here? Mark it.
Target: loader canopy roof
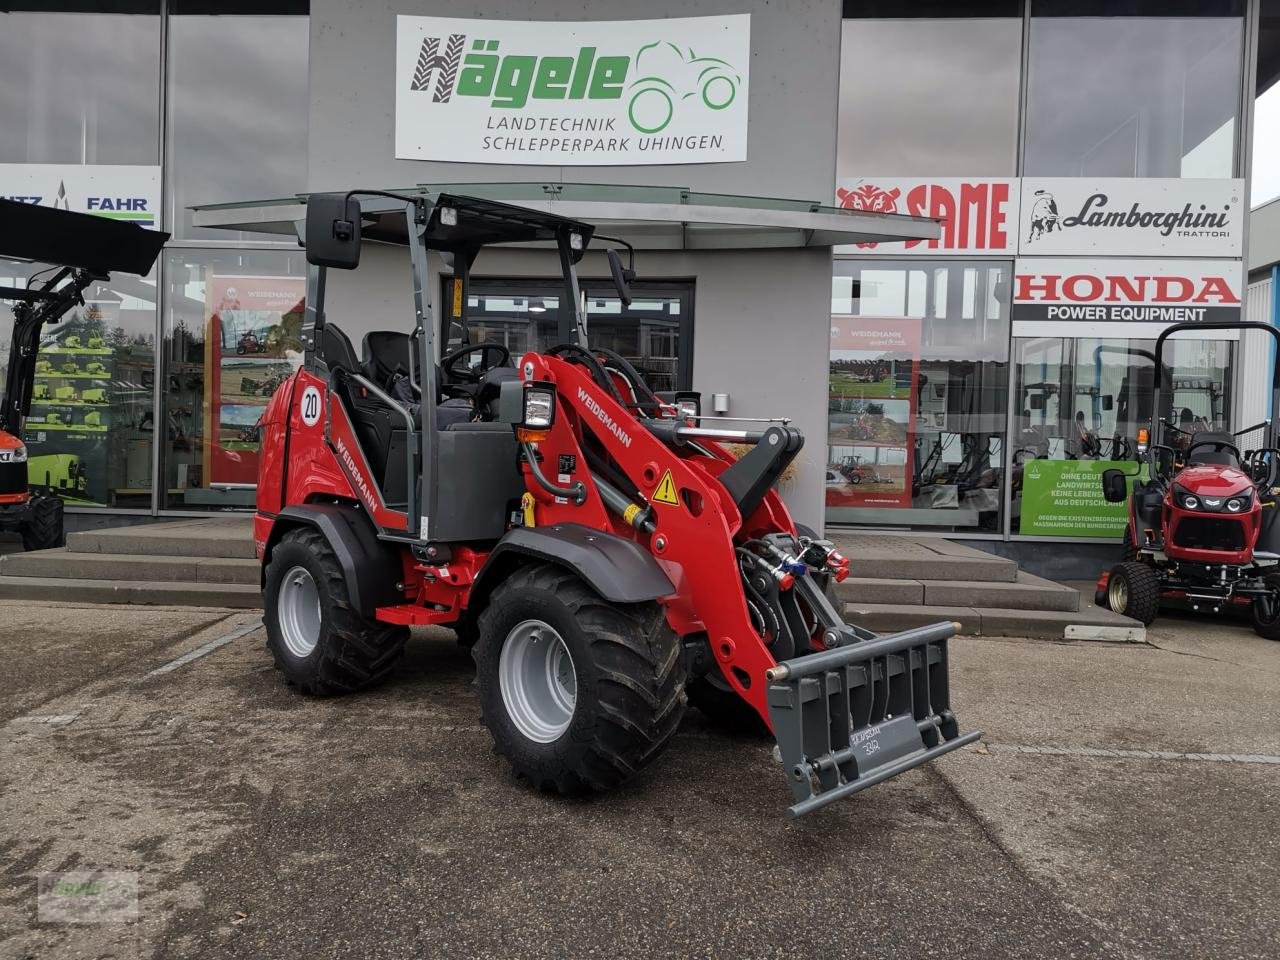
(479, 222)
(81, 240)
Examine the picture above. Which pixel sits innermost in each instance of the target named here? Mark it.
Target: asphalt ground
(258, 823)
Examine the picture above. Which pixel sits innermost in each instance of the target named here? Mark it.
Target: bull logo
(1044, 215)
(869, 197)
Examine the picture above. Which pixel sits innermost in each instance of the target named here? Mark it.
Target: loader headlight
(1235, 505)
(1190, 502)
(449, 216)
(539, 406)
(17, 455)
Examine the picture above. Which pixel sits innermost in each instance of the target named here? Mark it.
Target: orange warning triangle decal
(666, 492)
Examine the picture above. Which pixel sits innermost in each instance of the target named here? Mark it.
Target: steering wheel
(1219, 446)
(484, 349)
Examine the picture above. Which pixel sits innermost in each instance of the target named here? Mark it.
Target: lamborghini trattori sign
(562, 93)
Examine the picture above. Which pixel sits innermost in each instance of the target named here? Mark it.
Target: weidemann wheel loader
(604, 555)
(83, 250)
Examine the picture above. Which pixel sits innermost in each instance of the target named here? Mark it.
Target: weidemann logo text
(609, 92)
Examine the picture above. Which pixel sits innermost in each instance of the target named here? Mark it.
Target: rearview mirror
(1108, 401)
(1115, 486)
(1036, 401)
(333, 231)
(620, 277)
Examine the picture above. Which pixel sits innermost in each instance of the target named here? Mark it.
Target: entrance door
(655, 333)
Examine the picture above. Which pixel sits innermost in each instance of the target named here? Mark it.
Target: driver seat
(1207, 456)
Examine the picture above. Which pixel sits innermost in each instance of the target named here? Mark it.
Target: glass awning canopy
(652, 218)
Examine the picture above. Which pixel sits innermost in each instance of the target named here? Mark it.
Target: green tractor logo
(654, 96)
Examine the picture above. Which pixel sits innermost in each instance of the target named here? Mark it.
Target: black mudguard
(371, 568)
(618, 569)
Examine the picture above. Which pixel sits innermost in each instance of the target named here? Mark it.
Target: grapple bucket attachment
(854, 716)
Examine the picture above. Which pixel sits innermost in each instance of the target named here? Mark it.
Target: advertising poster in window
(1063, 498)
(871, 417)
(254, 343)
(89, 431)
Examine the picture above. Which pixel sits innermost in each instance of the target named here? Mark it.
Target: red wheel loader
(84, 250)
(605, 556)
(1202, 526)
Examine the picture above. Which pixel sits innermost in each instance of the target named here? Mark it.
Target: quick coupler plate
(851, 717)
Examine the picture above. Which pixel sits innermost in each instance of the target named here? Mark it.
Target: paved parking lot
(261, 824)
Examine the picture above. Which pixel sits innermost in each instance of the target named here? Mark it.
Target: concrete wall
(795, 63)
(761, 318)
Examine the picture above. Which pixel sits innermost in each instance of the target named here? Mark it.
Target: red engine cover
(1211, 534)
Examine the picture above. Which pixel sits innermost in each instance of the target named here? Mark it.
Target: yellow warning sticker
(666, 492)
(457, 297)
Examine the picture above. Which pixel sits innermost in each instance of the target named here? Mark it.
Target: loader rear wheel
(579, 694)
(44, 529)
(321, 645)
(1133, 590)
(1266, 623)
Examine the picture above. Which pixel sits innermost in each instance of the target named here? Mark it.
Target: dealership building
(1089, 162)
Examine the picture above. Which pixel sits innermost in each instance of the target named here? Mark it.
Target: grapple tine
(851, 717)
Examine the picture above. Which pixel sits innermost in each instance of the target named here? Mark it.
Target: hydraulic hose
(576, 491)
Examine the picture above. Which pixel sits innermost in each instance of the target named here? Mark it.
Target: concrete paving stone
(1027, 593)
(72, 565)
(871, 590)
(229, 570)
(143, 592)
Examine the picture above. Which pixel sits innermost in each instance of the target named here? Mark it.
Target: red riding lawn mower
(84, 250)
(601, 551)
(1202, 530)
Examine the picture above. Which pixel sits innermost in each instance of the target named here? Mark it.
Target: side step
(851, 717)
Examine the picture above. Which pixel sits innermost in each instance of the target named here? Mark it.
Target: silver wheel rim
(299, 606)
(1118, 594)
(538, 682)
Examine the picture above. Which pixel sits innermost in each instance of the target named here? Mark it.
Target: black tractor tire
(44, 529)
(722, 706)
(1268, 627)
(628, 675)
(1128, 549)
(350, 652)
(1133, 590)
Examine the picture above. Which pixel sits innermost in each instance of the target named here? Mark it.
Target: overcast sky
(1266, 147)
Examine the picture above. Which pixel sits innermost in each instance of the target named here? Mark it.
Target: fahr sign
(118, 192)
(978, 216)
(1099, 292)
(1133, 218)
(599, 93)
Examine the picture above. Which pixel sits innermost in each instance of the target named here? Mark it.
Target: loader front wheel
(722, 706)
(321, 645)
(1133, 590)
(578, 693)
